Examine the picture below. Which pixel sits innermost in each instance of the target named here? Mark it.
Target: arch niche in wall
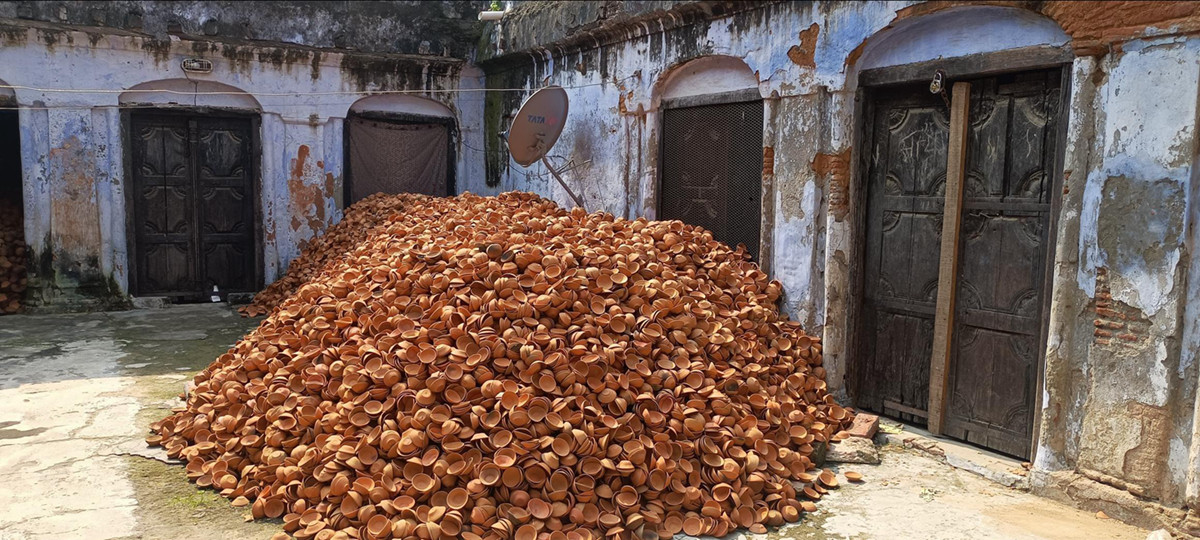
(931, 317)
(12, 200)
(175, 93)
(710, 149)
(10, 148)
(194, 220)
(397, 143)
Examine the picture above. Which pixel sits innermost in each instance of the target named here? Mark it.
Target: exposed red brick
(1095, 24)
(1110, 313)
(1112, 316)
(837, 168)
(804, 54)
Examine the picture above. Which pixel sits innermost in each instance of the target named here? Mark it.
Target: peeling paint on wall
(307, 197)
(262, 77)
(1121, 257)
(803, 54)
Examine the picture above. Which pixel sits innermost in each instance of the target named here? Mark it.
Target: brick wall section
(1097, 23)
(1092, 25)
(1117, 324)
(837, 167)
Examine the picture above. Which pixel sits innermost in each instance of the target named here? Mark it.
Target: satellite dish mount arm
(574, 197)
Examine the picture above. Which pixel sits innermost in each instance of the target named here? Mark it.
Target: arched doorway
(195, 230)
(399, 144)
(957, 229)
(710, 153)
(13, 255)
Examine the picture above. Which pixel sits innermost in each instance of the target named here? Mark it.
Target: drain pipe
(494, 16)
(491, 16)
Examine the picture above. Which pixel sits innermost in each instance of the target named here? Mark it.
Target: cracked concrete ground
(78, 391)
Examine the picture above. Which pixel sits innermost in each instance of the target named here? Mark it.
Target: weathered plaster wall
(1137, 424)
(408, 27)
(1120, 393)
(73, 152)
(1119, 399)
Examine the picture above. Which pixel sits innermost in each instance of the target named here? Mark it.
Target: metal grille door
(712, 170)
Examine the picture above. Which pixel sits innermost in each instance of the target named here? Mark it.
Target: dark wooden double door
(193, 205)
(998, 325)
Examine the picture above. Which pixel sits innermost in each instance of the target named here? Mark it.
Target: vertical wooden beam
(943, 326)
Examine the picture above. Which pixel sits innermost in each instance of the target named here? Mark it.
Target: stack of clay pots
(357, 222)
(12, 257)
(499, 368)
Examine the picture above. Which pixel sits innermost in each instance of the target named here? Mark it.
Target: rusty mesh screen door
(394, 157)
(712, 170)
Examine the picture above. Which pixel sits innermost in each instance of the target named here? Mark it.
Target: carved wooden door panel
(193, 205)
(712, 158)
(906, 194)
(225, 210)
(163, 197)
(1003, 245)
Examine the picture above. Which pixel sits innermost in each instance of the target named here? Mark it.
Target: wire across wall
(296, 95)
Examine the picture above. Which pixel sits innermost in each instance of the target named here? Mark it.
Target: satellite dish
(536, 128)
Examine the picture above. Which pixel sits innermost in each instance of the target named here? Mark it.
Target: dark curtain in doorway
(392, 157)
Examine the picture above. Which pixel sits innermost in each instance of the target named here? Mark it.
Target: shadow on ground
(78, 392)
(77, 395)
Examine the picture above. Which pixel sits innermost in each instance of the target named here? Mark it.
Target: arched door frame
(402, 109)
(708, 81)
(170, 97)
(1044, 50)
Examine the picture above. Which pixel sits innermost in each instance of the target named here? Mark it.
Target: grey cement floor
(77, 393)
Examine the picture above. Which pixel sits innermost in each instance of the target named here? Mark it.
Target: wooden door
(906, 193)
(225, 204)
(1003, 245)
(712, 158)
(193, 205)
(999, 309)
(164, 197)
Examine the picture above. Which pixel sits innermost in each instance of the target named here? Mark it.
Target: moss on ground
(162, 353)
(171, 507)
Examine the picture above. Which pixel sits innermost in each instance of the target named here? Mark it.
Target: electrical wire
(239, 93)
(196, 94)
(288, 94)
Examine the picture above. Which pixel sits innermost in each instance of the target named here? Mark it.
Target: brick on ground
(865, 425)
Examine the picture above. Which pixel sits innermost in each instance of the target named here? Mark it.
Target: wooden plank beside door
(956, 162)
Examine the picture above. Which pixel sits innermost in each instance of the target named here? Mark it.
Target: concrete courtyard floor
(77, 393)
